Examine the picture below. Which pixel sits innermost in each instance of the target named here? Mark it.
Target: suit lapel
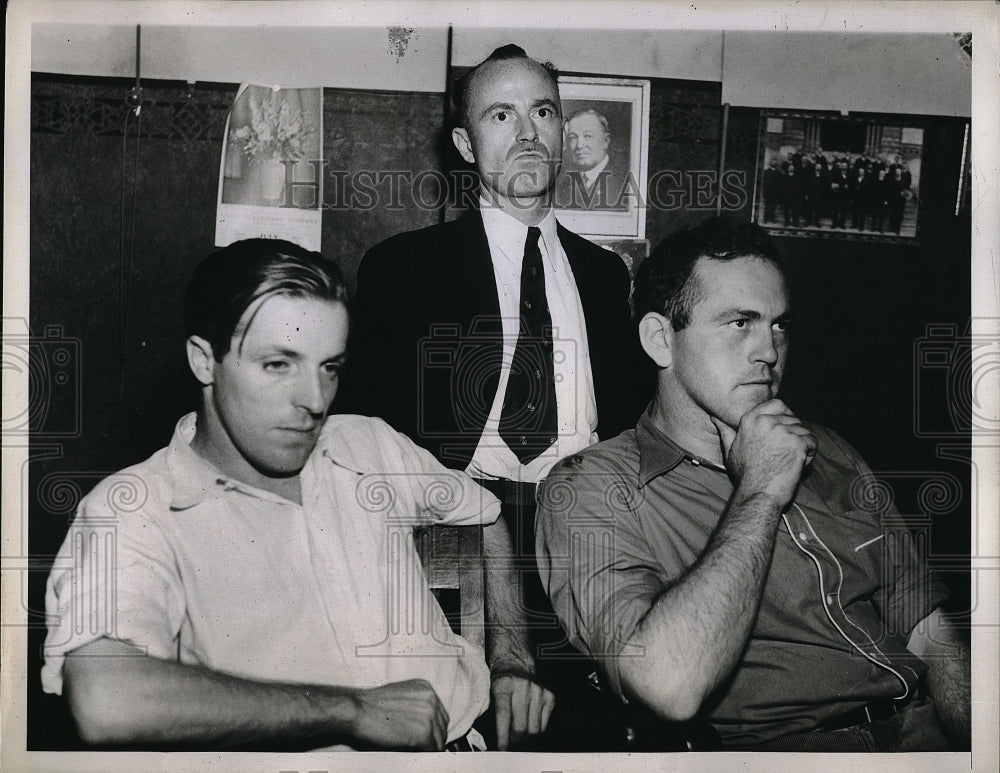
(590, 292)
(473, 286)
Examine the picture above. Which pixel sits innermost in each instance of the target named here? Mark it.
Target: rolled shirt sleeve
(114, 577)
(407, 483)
(594, 563)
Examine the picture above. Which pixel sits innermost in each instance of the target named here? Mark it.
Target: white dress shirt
(576, 406)
(590, 176)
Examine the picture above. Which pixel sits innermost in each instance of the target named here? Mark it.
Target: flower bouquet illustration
(268, 128)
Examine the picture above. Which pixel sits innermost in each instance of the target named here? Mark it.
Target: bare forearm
(508, 642)
(693, 634)
(117, 695)
(948, 683)
(120, 696)
(947, 655)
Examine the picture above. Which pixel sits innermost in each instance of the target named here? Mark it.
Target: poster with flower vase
(270, 178)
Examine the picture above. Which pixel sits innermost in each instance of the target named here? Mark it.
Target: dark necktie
(529, 420)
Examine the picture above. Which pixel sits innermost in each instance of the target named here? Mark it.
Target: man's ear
(657, 338)
(461, 139)
(201, 360)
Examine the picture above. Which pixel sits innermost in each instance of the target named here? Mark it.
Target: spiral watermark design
(870, 494)
(942, 494)
(375, 494)
(443, 494)
(58, 494)
(558, 496)
(620, 497)
(126, 493)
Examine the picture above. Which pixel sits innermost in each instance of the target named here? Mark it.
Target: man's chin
(288, 466)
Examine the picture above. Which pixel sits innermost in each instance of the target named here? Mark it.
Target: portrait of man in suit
(592, 178)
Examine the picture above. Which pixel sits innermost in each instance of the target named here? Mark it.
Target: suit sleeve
(381, 375)
(624, 376)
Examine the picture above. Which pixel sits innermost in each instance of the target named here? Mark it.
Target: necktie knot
(531, 240)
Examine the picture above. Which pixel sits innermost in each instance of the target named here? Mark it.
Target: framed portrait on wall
(845, 176)
(601, 188)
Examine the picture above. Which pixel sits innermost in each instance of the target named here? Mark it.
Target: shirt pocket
(863, 541)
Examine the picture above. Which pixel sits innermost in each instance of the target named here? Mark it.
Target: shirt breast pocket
(863, 539)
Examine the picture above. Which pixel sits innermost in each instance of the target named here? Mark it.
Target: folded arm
(117, 695)
(695, 631)
(669, 641)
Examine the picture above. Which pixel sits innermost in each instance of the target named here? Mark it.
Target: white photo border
(630, 223)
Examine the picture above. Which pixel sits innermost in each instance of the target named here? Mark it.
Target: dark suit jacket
(426, 336)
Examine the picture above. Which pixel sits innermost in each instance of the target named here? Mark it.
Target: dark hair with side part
(505, 53)
(666, 283)
(231, 280)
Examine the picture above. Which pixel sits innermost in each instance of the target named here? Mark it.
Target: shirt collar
(194, 479)
(657, 452)
(508, 234)
(333, 446)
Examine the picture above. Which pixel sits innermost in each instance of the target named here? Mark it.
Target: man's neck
(690, 429)
(240, 470)
(529, 210)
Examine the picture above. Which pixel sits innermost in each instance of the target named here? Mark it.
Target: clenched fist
(401, 716)
(768, 452)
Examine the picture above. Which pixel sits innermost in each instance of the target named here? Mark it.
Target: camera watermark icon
(956, 380)
(459, 374)
(42, 384)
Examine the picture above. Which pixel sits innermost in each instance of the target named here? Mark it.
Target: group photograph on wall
(855, 176)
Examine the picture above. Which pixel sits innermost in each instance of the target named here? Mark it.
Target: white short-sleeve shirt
(175, 558)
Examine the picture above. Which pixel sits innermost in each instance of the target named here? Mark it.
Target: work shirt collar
(659, 454)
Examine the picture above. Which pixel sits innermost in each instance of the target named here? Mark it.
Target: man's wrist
(523, 666)
(757, 501)
(342, 707)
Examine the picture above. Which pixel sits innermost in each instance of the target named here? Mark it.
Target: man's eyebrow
(735, 313)
(496, 106)
(738, 313)
(272, 351)
(510, 106)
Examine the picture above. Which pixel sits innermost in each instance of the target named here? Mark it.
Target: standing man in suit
(496, 340)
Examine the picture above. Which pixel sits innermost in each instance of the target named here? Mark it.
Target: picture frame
(600, 191)
(830, 175)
